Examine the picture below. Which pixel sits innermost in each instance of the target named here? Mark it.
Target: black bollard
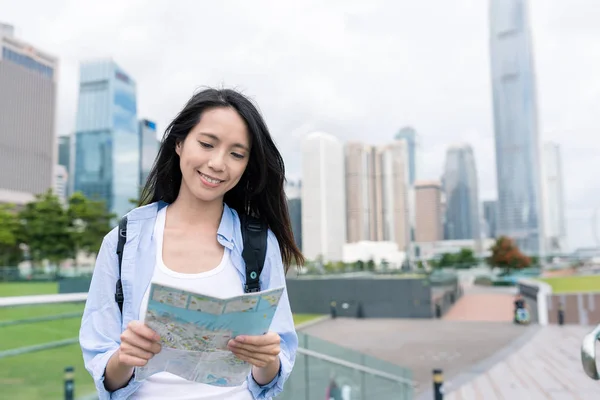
(438, 381)
(69, 384)
(333, 310)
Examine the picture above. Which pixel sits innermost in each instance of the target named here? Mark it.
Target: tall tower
(518, 164)
(462, 194)
(28, 81)
(556, 228)
(323, 197)
(107, 143)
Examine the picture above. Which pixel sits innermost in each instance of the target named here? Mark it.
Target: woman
(216, 162)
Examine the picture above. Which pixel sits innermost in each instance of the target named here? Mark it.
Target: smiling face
(214, 155)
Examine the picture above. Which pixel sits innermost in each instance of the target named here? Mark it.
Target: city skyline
(297, 99)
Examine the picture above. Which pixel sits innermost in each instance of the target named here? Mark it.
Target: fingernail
(240, 339)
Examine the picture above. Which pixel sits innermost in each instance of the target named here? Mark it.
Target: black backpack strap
(254, 233)
(119, 297)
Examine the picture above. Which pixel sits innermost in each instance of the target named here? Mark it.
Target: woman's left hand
(260, 351)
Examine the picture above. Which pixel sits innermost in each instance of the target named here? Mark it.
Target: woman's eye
(237, 155)
(206, 145)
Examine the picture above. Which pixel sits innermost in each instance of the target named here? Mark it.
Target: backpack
(254, 234)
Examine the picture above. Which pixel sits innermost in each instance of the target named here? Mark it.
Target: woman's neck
(188, 210)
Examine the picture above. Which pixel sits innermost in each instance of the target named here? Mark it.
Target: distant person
(521, 315)
(216, 162)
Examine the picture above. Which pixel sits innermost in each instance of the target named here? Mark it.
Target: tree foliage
(46, 229)
(89, 222)
(10, 251)
(506, 254)
(51, 231)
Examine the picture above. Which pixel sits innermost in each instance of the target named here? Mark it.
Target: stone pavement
(548, 366)
(421, 344)
(483, 304)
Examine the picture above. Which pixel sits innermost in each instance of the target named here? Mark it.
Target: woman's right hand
(139, 344)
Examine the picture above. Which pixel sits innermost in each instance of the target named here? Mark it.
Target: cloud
(357, 69)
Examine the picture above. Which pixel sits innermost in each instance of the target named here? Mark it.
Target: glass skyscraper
(107, 157)
(410, 135)
(515, 125)
(148, 149)
(462, 194)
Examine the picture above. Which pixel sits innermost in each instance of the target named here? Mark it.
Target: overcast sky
(356, 69)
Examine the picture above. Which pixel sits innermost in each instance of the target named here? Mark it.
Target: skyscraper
(462, 194)
(556, 229)
(323, 197)
(515, 124)
(148, 149)
(428, 211)
(107, 159)
(490, 214)
(64, 160)
(360, 192)
(392, 205)
(410, 135)
(28, 81)
(293, 192)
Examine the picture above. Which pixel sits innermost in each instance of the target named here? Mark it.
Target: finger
(143, 330)
(260, 340)
(132, 361)
(136, 351)
(252, 360)
(273, 349)
(135, 340)
(258, 357)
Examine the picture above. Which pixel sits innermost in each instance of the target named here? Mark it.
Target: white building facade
(323, 197)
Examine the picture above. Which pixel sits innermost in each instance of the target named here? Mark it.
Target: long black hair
(260, 190)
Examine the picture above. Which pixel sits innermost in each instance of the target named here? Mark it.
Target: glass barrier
(326, 371)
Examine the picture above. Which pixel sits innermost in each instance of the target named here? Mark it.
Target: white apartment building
(323, 197)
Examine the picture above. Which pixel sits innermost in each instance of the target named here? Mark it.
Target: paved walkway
(547, 367)
(421, 344)
(483, 304)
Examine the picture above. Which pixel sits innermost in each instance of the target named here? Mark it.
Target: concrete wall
(579, 308)
(379, 298)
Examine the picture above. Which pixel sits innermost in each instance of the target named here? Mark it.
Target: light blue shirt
(102, 325)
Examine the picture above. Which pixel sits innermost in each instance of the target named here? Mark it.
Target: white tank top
(222, 281)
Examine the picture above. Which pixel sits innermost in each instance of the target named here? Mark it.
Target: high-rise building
(61, 182)
(490, 215)
(107, 155)
(28, 81)
(515, 125)
(392, 205)
(293, 192)
(148, 149)
(323, 197)
(428, 211)
(410, 135)
(65, 159)
(556, 229)
(462, 194)
(360, 192)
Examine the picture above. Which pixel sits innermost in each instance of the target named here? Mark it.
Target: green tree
(10, 251)
(506, 255)
(466, 258)
(89, 221)
(447, 260)
(46, 230)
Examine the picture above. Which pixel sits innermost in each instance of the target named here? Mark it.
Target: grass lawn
(27, 288)
(40, 374)
(571, 284)
(302, 318)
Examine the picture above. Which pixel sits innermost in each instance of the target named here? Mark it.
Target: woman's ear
(178, 145)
